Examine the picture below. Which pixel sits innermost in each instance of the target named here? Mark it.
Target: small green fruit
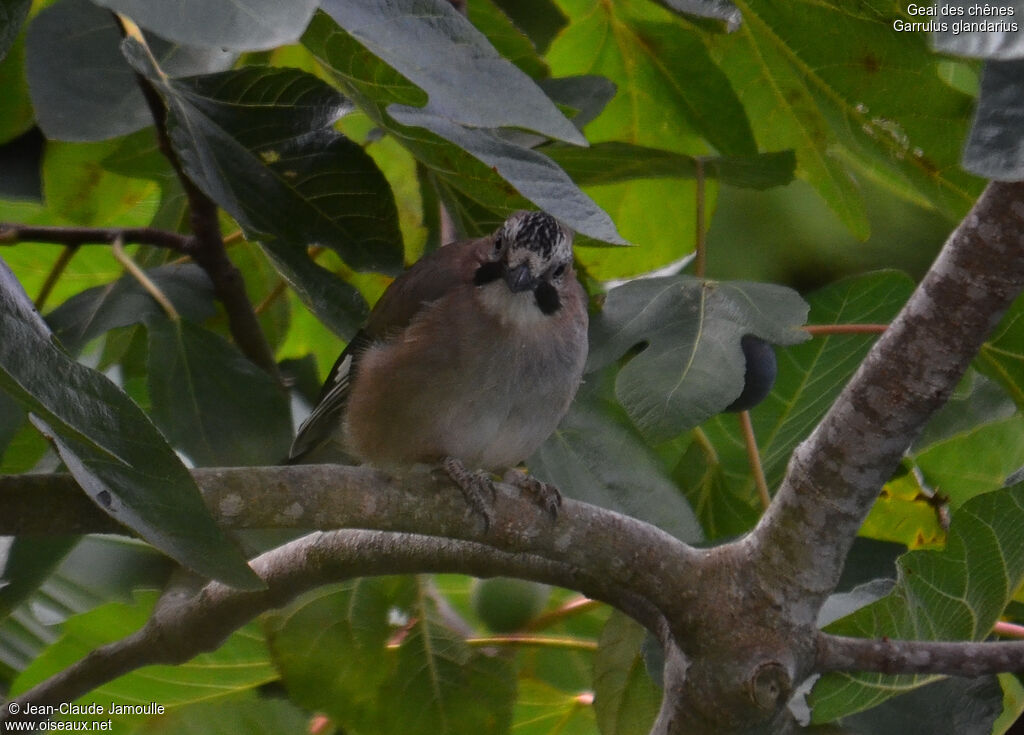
(505, 604)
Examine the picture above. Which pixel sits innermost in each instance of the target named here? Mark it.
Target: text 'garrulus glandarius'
(469, 360)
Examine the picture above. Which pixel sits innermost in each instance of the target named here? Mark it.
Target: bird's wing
(431, 278)
(324, 422)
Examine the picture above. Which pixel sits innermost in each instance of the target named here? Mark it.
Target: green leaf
(605, 163)
(79, 190)
(259, 141)
(330, 647)
(596, 455)
(473, 85)
(976, 461)
(491, 194)
(506, 38)
(240, 663)
(25, 563)
(97, 310)
(664, 75)
(252, 715)
(715, 471)
(1002, 356)
(953, 706)
(840, 86)
(12, 15)
(957, 593)
(82, 89)
(213, 403)
(994, 148)
(692, 366)
(241, 25)
(542, 709)
(109, 445)
(626, 701)
(16, 114)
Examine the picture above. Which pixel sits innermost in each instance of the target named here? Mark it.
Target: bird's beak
(519, 278)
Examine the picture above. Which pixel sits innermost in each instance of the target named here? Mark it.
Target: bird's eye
(497, 244)
(559, 271)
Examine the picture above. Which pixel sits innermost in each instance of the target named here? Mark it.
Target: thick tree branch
(835, 475)
(602, 546)
(182, 627)
(836, 653)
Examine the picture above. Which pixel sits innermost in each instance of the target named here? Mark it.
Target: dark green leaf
(692, 366)
(956, 593)
(109, 445)
(16, 113)
(535, 175)
(1002, 356)
(21, 161)
(25, 563)
(954, 706)
(241, 25)
(605, 163)
(211, 402)
(252, 715)
(587, 94)
(991, 38)
(977, 400)
(375, 87)
(626, 701)
(507, 39)
(995, 148)
(11, 420)
(841, 604)
(715, 471)
(82, 89)
(240, 663)
(337, 304)
(597, 456)
(541, 20)
(260, 142)
(97, 310)
(472, 86)
(12, 15)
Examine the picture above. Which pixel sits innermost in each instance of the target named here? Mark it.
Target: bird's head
(532, 252)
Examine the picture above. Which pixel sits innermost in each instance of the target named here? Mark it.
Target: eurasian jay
(469, 360)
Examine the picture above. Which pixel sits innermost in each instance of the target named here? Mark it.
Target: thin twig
(754, 457)
(11, 233)
(701, 255)
(147, 284)
(275, 293)
(207, 248)
(59, 266)
(819, 330)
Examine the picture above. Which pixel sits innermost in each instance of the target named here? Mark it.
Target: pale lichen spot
(231, 505)
(270, 156)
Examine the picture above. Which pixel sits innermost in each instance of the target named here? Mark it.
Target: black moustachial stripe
(547, 298)
(490, 271)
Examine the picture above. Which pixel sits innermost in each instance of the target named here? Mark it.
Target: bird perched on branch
(469, 360)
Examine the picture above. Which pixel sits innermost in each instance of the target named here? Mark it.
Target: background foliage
(825, 147)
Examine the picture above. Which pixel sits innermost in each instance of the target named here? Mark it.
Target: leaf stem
(754, 457)
(701, 255)
(54, 275)
(819, 330)
(575, 606)
(140, 275)
(538, 641)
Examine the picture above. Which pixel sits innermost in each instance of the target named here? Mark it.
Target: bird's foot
(477, 488)
(543, 494)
